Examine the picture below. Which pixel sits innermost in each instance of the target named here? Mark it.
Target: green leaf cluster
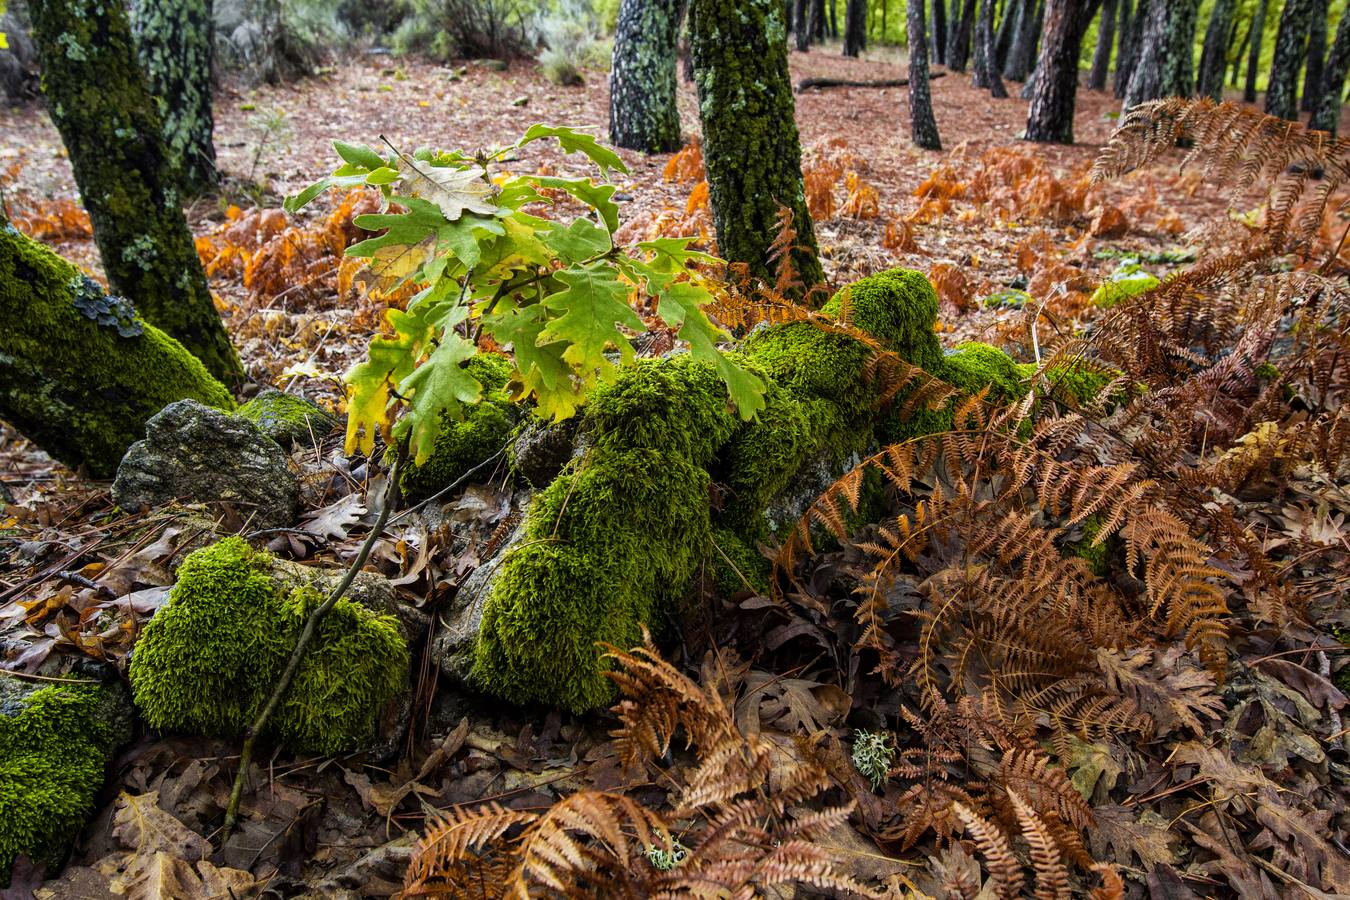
(559, 295)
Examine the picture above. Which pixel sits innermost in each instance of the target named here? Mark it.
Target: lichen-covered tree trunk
(1316, 55)
(1290, 43)
(1101, 56)
(923, 129)
(174, 39)
(1214, 57)
(1050, 118)
(750, 142)
(80, 373)
(642, 111)
(986, 75)
(1327, 116)
(958, 46)
(1023, 53)
(855, 27)
(1254, 50)
(97, 96)
(1162, 65)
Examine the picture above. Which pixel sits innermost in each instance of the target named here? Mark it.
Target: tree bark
(175, 39)
(1050, 118)
(1101, 57)
(855, 27)
(958, 46)
(818, 23)
(1254, 52)
(923, 127)
(1327, 116)
(1162, 65)
(750, 142)
(1023, 53)
(80, 372)
(1007, 26)
(939, 30)
(1131, 37)
(834, 18)
(97, 97)
(1290, 43)
(1214, 57)
(801, 25)
(986, 75)
(1317, 52)
(642, 83)
(1240, 55)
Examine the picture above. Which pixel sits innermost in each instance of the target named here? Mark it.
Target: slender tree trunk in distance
(98, 99)
(958, 45)
(818, 23)
(802, 25)
(1290, 40)
(686, 51)
(834, 19)
(1130, 39)
(1317, 52)
(642, 80)
(1007, 25)
(922, 126)
(1240, 55)
(1327, 116)
(1050, 118)
(1213, 59)
(1179, 74)
(855, 27)
(986, 75)
(1162, 66)
(1101, 57)
(750, 142)
(174, 39)
(939, 30)
(1023, 53)
(1254, 52)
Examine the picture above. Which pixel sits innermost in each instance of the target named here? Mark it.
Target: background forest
(674, 448)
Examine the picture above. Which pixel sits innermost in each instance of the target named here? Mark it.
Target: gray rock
(287, 419)
(197, 454)
(543, 448)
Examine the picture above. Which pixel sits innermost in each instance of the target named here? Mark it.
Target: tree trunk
(1101, 57)
(175, 39)
(1162, 65)
(939, 30)
(1130, 39)
(1214, 57)
(818, 24)
(958, 47)
(97, 97)
(1254, 52)
(80, 372)
(855, 27)
(642, 81)
(687, 18)
(750, 141)
(1327, 116)
(922, 126)
(1050, 118)
(801, 25)
(1240, 55)
(1007, 26)
(834, 18)
(1317, 51)
(986, 75)
(1023, 52)
(1290, 43)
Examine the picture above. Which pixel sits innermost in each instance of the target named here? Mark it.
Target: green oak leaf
(573, 141)
(440, 384)
(597, 196)
(590, 309)
(542, 370)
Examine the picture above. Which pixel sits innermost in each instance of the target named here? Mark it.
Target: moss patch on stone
(209, 659)
(54, 746)
(286, 418)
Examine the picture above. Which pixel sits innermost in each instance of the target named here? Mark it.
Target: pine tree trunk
(1023, 53)
(96, 95)
(1213, 60)
(986, 76)
(1290, 40)
(1317, 52)
(1179, 74)
(818, 21)
(923, 127)
(1101, 57)
(642, 83)
(1327, 116)
(1131, 38)
(855, 27)
(939, 30)
(687, 29)
(1050, 118)
(1162, 65)
(750, 142)
(802, 25)
(175, 39)
(1007, 27)
(834, 18)
(1254, 52)
(1240, 55)
(80, 372)
(1124, 30)
(958, 47)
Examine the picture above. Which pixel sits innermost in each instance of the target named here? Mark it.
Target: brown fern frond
(451, 849)
(1052, 878)
(998, 855)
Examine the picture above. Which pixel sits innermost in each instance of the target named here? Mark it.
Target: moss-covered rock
(80, 372)
(287, 419)
(55, 743)
(210, 658)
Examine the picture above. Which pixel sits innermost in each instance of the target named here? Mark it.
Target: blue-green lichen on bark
(79, 373)
(54, 746)
(210, 658)
(643, 114)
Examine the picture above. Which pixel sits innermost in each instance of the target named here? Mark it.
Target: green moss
(54, 746)
(1128, 280)
(286, 418)
(1096, 554)
(736, 565)
(973, 366)
(79, 373)
(210, 658)
(1267, 371)
(899, 307)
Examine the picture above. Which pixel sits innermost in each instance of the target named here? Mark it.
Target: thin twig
(307, 635)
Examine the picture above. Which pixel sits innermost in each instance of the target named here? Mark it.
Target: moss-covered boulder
(55, 743)
(287, 419)
(209, 658)
(80, 371)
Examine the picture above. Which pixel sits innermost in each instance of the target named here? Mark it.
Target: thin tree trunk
(834, 19)
(855, 27)
(1050, 118)
(1130, 39)
(750, 142)
(1327, 116)
(986, 75)
(174, 40)
(958, 46)
(1240, 55)
(1317, 52)
(1213, 59)
(802, 25)
(923, 127)
(1007, 27)
(98, 99)
(939, 30)
(1162, 67)
(1023, 53)
(1254, 52)
(1101, 57)
(818, 23)
(642, 81)
(1290, 43)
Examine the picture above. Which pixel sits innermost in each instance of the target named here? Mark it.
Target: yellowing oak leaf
(592, 306)
(453, 190)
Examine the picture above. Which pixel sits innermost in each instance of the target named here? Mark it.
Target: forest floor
(986, 214)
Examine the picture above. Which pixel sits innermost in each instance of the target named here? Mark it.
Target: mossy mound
(209, 659)
(286, 418)
(55, 742)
